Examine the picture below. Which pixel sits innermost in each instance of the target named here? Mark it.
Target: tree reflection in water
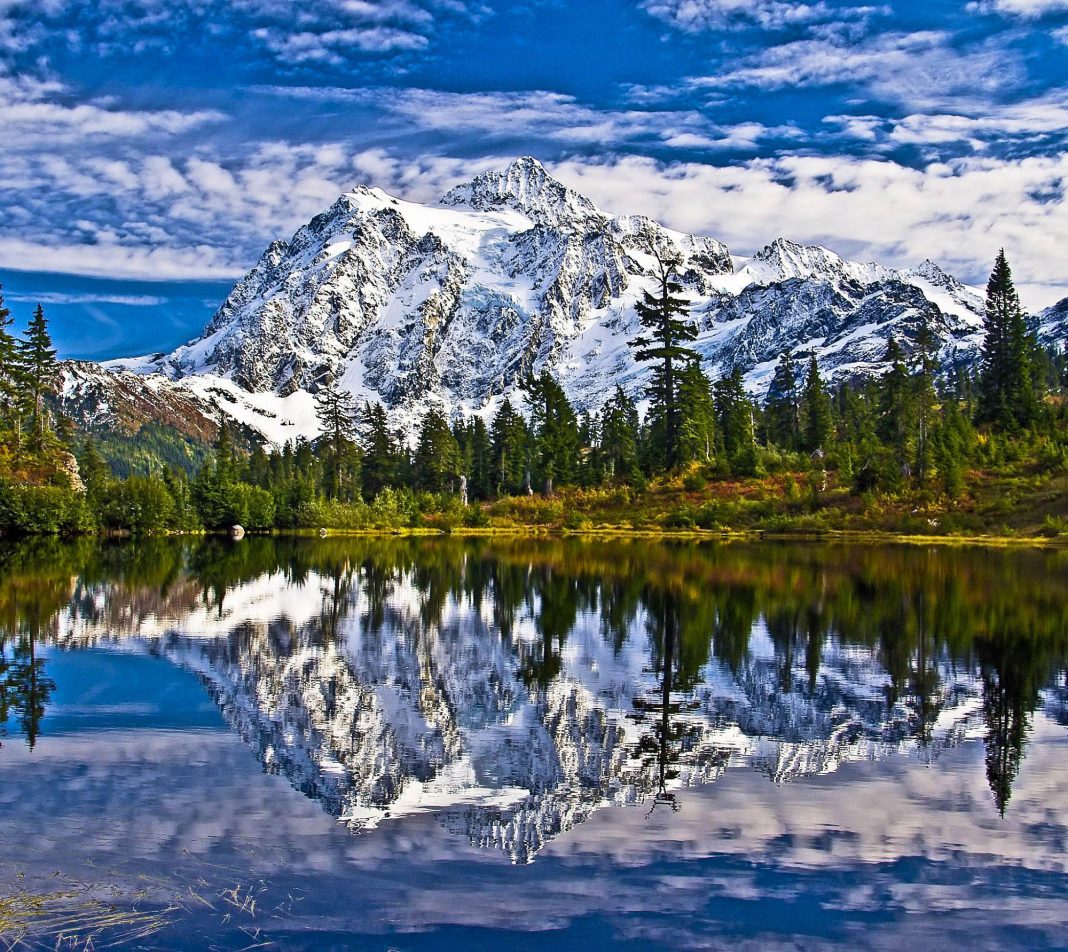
(544, 679)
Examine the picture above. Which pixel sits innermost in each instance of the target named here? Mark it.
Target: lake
(437, 744)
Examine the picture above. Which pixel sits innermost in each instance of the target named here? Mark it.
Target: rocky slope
(454, 303)
(102, 401)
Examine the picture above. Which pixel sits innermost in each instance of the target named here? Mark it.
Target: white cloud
(210, 217)
(1027, 118)
(918, 68)
(329, 31)
(33, 115)
(698, 15)
(542, 114)
(202, 217)
(55, 297)
(1028, 9)
(1061, 35)
(956, 213)
(332, 46)
(111, 260)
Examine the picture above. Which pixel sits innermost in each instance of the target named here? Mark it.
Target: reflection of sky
(890, 854)
(98, 690)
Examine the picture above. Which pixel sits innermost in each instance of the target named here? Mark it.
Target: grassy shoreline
(843, 536)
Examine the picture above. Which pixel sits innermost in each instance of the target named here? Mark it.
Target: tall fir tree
(816, 421)
(950, 442)
(438, 462)
(734, 422)
(9, 369)
(782, 408)
(213, 487)
(335, 410)
(225, 453)
(591, 468)
(895, 403)
(618, 438)
(663, 315)
(510, 441)
(924, 399)
(1007, 397)
(480, 472)
(38, 367)
(381, 455)
(555, 433)
(94, 472)
(697, 416)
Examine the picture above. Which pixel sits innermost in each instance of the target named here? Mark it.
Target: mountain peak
(784, 259)
(797, 260)
(526, 187)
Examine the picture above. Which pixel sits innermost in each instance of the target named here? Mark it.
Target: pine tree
(697, 416)
(37, 361)
(618, 438)
(947, 452)
(663, 316)
(213, 486)
(591, 465)
(1007, 397)
(225, 454)
(555, 432)
(381, 456)
(924, 398)
(481, 460)
(816, 421)
(9, 368)
(734, 421)
(510, 441)
(95, 473)
(781, 408)
(438, 462)
(895, 403)
(335, 410)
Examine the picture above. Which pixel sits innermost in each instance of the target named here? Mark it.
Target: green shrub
(43, 510)
(1054, 526)
(224, 504)
(575, 521)
(694, 481)
(682, 518)
(476, 518)
(138, 504)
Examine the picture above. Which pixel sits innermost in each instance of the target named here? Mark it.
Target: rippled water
(436, 744)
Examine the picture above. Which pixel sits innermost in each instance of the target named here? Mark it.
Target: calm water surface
(436, 744)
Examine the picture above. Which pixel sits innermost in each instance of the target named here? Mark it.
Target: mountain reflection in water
(514, 687)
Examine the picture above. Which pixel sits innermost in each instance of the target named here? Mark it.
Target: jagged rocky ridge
(454, 303)
(365, 706)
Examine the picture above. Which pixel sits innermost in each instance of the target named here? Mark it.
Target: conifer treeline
(913, 428)
(27, 373)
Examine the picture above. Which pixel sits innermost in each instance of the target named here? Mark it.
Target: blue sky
(151, 149)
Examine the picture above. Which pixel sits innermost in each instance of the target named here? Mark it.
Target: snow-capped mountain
(456, 302)
(1053, 325)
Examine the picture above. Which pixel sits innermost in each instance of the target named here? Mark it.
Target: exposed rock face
(1053, 325)
(455, 303)
(101, 400)
(70, 467)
